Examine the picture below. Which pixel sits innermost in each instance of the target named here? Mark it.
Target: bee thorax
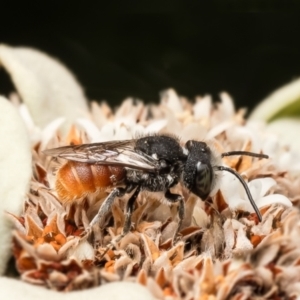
(151, 182)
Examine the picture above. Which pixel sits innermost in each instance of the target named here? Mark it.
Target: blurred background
(138, 50)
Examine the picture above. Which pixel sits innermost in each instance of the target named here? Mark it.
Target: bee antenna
(242, 181)
(245, 153)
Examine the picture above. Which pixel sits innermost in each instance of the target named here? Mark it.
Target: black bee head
(198, 172)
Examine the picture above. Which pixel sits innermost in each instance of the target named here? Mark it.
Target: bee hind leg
(127, 222)
(104, 208)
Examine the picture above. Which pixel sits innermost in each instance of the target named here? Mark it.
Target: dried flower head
(223, 250)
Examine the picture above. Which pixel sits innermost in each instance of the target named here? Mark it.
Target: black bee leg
(128, 214)
(129, 210)
(173, 198)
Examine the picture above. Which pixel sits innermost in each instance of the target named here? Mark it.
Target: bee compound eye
(203, 180)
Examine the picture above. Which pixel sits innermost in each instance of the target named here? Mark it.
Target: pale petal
(219, 128)
(34, 131)
(50, 130)
(171, 100)
(202, 108)
(273, 199)
(287, 130)
(15, 289)
(193, 131)
(226, 109)
(232, 191)
(82, 251)
(289, 160)
(15, 172)
(243, 244)
(44, 84)
(156, 126)
(90, 128)
(107, 132)
(138, 130)
(259, 187)
(239, 135)
(271, 145)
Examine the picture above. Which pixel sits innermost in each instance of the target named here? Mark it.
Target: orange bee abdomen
(76, 179)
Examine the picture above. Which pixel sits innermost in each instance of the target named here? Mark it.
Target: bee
(153, 163)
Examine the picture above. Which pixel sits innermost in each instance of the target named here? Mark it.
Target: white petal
(226, 108)
(171, 100)
(287, 130)
(259, 187)
(242, 242)
(25, 114)
(273, 199)
(15, 289)
(33, 130)
(193, 131)
(255, 187)
(289, 160)
(138, 130)
(228, 103)
(232, 190)
(90, 128)
(45, 85)
(82, 251)
(107, 132)
(202, 108)
(15, 171)
(50, 130)
(156, 126)
(239, 135)
(271, 145)
(219, 128)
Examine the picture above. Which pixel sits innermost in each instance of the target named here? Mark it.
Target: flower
(222, 251)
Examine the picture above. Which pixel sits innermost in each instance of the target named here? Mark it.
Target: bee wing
(110, 153)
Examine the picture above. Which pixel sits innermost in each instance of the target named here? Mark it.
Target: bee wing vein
(112, 152)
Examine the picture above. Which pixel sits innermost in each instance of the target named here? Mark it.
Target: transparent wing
(111, 153)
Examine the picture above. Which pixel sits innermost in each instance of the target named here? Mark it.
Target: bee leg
(127, 223)
(128, 214)
(173, 198)
(129, 211)
(105, 207)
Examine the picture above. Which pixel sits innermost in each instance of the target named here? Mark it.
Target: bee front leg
(173, 198)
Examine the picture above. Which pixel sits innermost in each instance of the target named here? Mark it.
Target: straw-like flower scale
(223, 251)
